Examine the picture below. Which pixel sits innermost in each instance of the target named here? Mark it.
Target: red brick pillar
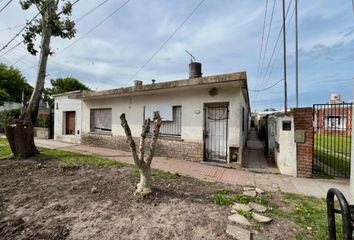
(304, 150)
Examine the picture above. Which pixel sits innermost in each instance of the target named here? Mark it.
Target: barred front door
(216, 117)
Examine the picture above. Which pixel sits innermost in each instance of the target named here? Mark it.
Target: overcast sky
(224, 35)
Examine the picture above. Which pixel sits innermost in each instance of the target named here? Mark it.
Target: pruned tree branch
(157, 125)
(131, 141)
(144, 133)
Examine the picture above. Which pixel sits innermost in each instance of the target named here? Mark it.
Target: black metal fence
(332, 139)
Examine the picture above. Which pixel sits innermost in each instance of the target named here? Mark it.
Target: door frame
(205, 134)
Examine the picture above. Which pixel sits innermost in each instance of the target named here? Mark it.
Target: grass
(308, 213)
(68, 160)
(4, 148)
(339, 163)
(340, 144)
(155, 173)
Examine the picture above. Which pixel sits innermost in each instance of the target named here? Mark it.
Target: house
(203, 118)
(334, 118)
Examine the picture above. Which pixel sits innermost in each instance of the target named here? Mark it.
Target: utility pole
(296, 58)
(284, 45)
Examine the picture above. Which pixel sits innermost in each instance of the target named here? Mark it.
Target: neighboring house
(203, 118)
(334, 117)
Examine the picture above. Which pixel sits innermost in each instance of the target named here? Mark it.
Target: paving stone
(251, 193)
(237, 218)
(259, 190)
(257, 207)
(240, 206)
(238, 232)
(248, 188)
(260, 218)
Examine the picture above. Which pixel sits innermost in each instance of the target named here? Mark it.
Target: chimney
(153, 81)
(195, 70)
(138, 84)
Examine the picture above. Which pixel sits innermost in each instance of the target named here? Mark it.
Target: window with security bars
(101, 120)
(171, 128)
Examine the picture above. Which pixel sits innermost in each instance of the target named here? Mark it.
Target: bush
(7, 116)
(42, 121)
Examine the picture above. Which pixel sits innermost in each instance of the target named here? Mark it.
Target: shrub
(42, 121)
(7, 116)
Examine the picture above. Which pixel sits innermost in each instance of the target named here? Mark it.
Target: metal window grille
(101, 120)
(171, 128)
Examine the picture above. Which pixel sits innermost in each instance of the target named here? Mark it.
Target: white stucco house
(204, 118)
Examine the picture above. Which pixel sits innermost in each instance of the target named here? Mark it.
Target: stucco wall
(192, 101)
(63, 104)
(283, 144)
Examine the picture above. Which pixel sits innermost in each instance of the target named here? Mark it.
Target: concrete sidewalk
(268, 182)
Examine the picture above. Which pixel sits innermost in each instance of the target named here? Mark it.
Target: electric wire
(77, 20)
(274, 49)
(7, 4)
(166, 41)
(267, 88)
(90, 11)
(261, 50)
(27, 24)
(267, 40)
(95, 27)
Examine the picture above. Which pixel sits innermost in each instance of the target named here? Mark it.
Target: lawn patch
(5, 149)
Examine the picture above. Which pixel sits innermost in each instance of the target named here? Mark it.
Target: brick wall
(303, 121)
(191, 151)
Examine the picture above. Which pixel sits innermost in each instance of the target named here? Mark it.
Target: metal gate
(216, 117)
(332, 130)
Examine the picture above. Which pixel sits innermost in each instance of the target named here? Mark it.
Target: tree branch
(157, 125)
(144, 133)
(131, 142)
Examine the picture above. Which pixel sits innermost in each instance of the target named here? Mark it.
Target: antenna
(192, 57)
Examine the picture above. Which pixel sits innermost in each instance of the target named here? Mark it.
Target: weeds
(221, 199)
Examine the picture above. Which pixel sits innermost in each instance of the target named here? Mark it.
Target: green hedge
(7, 116)
(42, 121)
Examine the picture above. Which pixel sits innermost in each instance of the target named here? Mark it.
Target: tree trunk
(144, 186)
(20, 134)
(21, 141)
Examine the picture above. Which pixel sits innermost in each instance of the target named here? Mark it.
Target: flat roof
(127, 91)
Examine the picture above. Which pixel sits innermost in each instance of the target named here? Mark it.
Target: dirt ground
(42, 201)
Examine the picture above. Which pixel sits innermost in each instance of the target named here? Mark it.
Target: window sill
(101, 133)
(170, 138)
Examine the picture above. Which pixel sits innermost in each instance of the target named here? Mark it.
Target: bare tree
(54, 21)
(144, 186)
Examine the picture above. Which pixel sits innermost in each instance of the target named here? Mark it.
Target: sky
(224, 35)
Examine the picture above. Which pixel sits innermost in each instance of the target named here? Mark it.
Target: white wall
(285, 156)
(63, 104)
(191, 100)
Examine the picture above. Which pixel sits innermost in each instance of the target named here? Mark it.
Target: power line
(274, 50)
(278, 48)
(27, 24)
(91, 11)
(260, 52)
(267, 88)
(7, 4)
(92, 29)
(12, 27)
(275, 46)
(166, 41)
(266, 45)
